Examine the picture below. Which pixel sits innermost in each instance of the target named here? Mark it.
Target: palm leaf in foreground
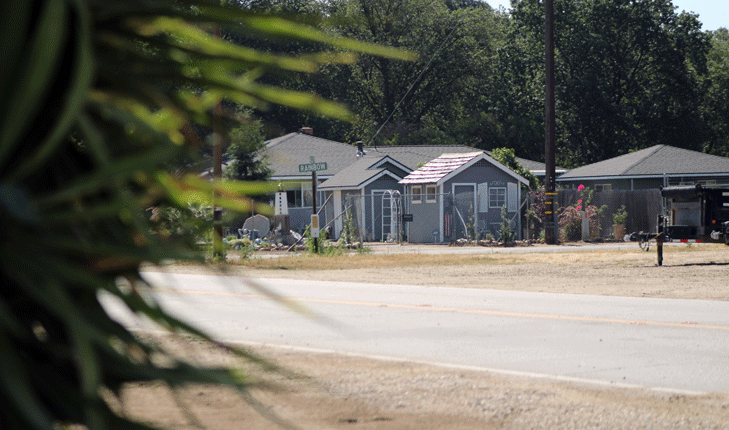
(96, 99)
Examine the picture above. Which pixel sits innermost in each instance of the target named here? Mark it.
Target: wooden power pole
(551, 234)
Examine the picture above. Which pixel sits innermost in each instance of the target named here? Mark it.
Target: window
(293, 198)
(430, 194)
(417, 194)
(301, 196)
(603, 187)
(306, 190)
(497, 197)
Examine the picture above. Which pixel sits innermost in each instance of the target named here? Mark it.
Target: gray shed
(454, 191)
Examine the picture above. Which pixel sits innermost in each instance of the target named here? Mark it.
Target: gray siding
(489, 220)
(426, 220)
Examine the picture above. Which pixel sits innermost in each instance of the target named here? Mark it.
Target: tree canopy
(630, 74)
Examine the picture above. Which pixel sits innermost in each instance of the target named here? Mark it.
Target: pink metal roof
(438, 168)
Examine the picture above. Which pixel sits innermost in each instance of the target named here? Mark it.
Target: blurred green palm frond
(97, 102)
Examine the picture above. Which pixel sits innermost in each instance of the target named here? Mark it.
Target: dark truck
(697, 214)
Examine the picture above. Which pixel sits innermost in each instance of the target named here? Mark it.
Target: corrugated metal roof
(437, 169)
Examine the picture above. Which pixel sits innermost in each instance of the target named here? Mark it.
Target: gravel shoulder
(335, 391)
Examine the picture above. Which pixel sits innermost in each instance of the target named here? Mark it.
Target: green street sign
(312, 167)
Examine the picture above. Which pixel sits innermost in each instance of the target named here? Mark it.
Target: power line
(415, 82)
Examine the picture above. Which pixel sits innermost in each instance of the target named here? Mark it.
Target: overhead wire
(420, 75)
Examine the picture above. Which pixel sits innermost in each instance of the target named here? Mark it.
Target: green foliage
(471, 227)
(506, 234)
(628, 74)
(715, 109)
(570, 217)
(246, 144)
(349, 230)
(97, 101)
(325, 247)
(620, 216)
(507, 157)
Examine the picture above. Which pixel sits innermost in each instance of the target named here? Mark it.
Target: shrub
(506, 235)
(620, 216)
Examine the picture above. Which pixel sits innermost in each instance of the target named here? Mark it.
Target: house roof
(359, 174)
(442, 168)
(657, 160)
(413, 155)
(285, 153)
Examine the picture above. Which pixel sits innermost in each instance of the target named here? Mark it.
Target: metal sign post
(314, 215)
(313, 167)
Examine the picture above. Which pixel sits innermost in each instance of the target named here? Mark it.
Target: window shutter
(512, 197)
(483, 197)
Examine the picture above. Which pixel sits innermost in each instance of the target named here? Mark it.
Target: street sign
(312, 167)
(407, 217)
(315, 226)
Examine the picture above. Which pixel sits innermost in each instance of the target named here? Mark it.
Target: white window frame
(416, 197)
(603, 187)
(431, 190)
(493, 190)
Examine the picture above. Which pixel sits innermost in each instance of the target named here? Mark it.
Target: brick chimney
(307, 130)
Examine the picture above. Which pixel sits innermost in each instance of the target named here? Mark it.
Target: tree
(628, 75)
(506, 157)
(429, 95)
(97, 98)
(245, 147)
(715, 109)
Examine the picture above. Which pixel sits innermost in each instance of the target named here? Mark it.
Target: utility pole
(551, 234)
(218, 251)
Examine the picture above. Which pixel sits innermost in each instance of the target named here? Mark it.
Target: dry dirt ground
(333, 391)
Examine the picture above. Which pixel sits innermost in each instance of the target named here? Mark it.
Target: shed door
(464, 208)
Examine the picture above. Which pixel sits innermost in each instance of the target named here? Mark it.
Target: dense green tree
(627, 74)
(716, 104)
(429, 95)
(244, 148)
(455, 46)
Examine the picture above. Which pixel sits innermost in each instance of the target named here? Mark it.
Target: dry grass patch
(367, 261)
(673, 255)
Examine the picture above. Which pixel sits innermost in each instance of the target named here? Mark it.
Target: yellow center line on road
(685, 324)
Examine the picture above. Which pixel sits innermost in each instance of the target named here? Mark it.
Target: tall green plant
(506, 234)
(97, 100)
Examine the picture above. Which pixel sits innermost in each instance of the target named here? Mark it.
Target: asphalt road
(662, 344)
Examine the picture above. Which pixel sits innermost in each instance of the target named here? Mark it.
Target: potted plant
(619, 218)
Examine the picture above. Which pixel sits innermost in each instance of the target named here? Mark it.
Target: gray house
(453, 192)
(362, 179)
(369, 189)
(650, 168)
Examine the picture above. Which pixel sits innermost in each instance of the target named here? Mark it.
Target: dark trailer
(697, 214)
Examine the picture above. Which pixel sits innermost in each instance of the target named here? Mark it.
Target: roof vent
(307, 130)
(360, 149)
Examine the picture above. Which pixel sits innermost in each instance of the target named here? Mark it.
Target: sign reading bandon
(312, 167)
